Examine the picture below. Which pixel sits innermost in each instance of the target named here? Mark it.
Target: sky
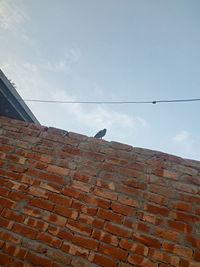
(108, 50)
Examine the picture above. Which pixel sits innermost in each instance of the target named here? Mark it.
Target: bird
(100, 134)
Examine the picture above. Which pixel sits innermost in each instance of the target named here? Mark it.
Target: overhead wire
(112, 102)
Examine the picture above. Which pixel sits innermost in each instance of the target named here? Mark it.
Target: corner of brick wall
(72, 200)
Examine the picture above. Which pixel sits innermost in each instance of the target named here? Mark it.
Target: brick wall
(79, 201)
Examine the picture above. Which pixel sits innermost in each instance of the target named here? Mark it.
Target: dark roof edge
(18, 101)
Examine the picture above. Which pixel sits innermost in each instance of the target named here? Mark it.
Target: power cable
(112, 102)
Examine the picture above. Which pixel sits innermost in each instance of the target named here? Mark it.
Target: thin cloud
(31, 83)
(182, 136)
(11, 15)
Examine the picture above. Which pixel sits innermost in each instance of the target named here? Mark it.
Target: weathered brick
(105, 237)
(113, 252)
(24, 230)
(37, 259)
(177, 249)
(96, 201)
(49, 239)
(147, 240)
(84, 218)
(169, 235)
(134, 247)
(66, 212)
(61, 200)
(102, 260)
(110, 216)
(179, 226)
(156, 209)
(141, 261)
(85, 242)
(75, 250)
(122, 209)
(40, 203)
(79, 227)
(117, 230)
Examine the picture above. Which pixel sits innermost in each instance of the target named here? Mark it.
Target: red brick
(34, 223)
(180, 216)
(166, 173)
(17, 186)
(38, 260)
(10, 237)
(157, 199)
(147, 240)
(113, 252)
(105, 184)
(77, 262)
(84, 218)
(128, 201)
(79, 227)
(4, 191)
(55, 219)
(40, 203)
(85, 242)
(6, 223)
(81, 177)
(186, 187)
(135, 183)
(50, 187)
(180, 226)
(19, 196)
(190, 198)
(81, 186)
(196, 255)
(31, 211)
(169, 235)
(141, 261)
(16, 168)
(66, 212)
(24, 230)
(14, 250)
(188, 263)
(134, 247)
(96, 201)
(6, 260)
(129, 190)
(80, 206)
(75, 250)
(166, 192)
(38, 192)
(6, 148)
(163, 257)
(8, 203)
(102, 260)
(12, 215)
(57, 170)
(62, 200)
(72, 193)
(105, 237)
(177, 249)
(140, 226)
(122, 209)
(50, 240)
(110, 216)
(117, 230)
(182, 206)
(105, 194)
(156, 209)
(195, 242)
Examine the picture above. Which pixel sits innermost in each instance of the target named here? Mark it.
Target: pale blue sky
(108, 50)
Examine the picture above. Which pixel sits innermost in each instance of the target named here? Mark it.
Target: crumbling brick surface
(72, 200)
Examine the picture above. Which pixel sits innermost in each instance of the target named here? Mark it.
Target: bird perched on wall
(100, 134)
